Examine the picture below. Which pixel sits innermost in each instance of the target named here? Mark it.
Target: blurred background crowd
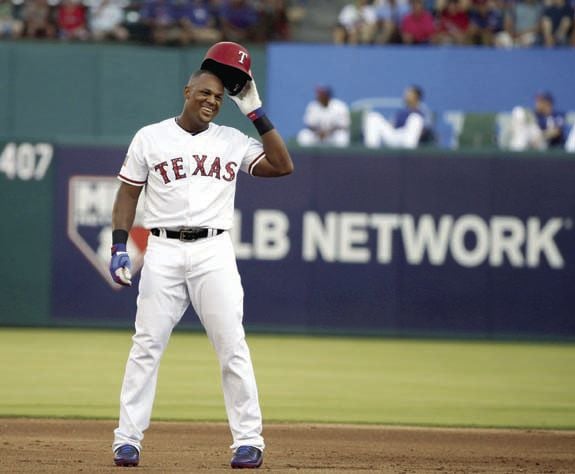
(417, 119)
(162, 22)
(503, 23)
(497, 23)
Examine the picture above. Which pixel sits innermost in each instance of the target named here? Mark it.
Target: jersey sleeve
(309, 116)
(342, 118)
(254, 154)
(134, 171)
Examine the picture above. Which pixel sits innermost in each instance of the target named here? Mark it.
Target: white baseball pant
(175, 273)
(377, 131)
(338, 138)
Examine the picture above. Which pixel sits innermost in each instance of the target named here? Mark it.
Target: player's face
(204, 96)
(543, 106)
(323, 97)
(410, 97)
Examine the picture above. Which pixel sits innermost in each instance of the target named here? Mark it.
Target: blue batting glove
(120, 265)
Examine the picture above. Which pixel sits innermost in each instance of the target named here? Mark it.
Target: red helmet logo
(231, 62)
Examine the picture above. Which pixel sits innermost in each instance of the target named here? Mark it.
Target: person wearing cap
(550, 121)
(411, 127)
(326, 119)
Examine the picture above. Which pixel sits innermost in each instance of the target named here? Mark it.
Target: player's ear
(186, 92)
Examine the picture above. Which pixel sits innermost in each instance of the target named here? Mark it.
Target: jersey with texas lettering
(190, 179)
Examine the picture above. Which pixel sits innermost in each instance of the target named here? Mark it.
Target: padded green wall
(26, 207)
(98, 94)
(77, 94)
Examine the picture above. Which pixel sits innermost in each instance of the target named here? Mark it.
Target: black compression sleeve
(119, 236)
(263, 124)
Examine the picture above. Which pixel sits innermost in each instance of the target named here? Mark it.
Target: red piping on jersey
(123, 178)
(257, 159)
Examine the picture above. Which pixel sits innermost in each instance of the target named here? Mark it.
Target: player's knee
(148, 346)
(341, 138)
(233, 355)
(306, 137)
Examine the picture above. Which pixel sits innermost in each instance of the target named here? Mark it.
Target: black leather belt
(187, 235)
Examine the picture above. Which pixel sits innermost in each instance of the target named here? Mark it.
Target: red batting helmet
(231, 62)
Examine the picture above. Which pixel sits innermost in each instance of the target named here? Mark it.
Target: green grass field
(77, 373)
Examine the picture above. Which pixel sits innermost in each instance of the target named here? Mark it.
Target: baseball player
(550, 121)
(188, 167)
(326, 121)
(410, 128)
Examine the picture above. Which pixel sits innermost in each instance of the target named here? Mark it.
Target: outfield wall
(397, 243)
(455, 79)
(101, 93)
(98, 93)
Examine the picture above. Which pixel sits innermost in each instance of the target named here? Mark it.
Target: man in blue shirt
(486, 23)
(410, 128)
(551, 122)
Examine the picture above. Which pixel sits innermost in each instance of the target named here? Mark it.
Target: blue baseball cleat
(126, 456)
(247, 457)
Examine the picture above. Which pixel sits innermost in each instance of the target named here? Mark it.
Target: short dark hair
(200, 72)
(546, 96)
(418, 91)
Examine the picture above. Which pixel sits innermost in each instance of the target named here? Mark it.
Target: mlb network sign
(333, 237)
(355, 237)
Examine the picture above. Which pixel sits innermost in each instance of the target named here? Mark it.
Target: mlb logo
(90, 203)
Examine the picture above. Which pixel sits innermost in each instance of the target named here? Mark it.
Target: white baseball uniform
(570, 143)
(378, 131)
(190, 181)
(334, 117)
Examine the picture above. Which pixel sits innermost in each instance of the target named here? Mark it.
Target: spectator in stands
(417, 26)
(10, 26)
(106, 18)
(453, 23)
(556, 23)
(487, 24)
(356, 23)
(276, 20)
(138, 27)
(522, 21)
(240, 21)
(551, 122)
(71, 20)
(36, 15)
(326, 120)
(162, 19)
(199, 23)
(390, 14)
(411, 128)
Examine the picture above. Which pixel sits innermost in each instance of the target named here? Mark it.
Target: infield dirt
(58, 446)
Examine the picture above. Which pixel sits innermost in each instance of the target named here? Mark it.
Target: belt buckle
(188, 235)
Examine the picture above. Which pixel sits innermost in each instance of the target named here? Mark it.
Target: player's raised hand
(120, 265)
(248, 100)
